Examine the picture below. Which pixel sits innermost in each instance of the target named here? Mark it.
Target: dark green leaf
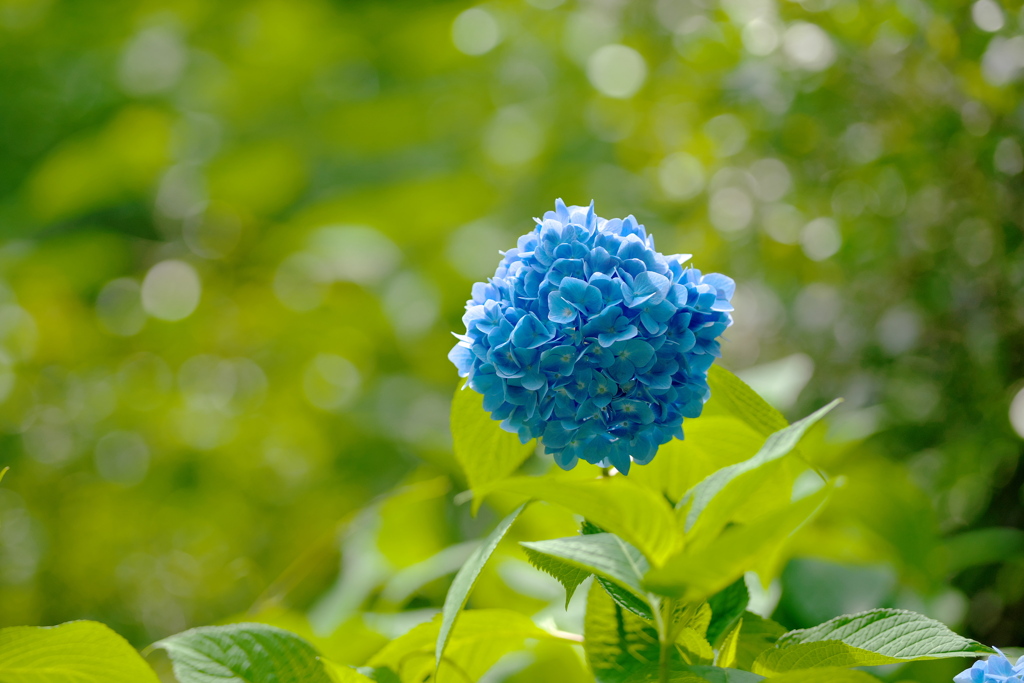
(243, 653)
(616, 641)
(727, 606)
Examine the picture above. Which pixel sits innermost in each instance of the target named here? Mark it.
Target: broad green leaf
(829, 675)
(731, 395)
(727, 606)
(340, 673)
(462, 584)
(3, 472)
(485, 451)
(75, 652)
(712, 502)
(242, 653)
(616, 641)
(711, 443)
(637, 515)
(697, 575)
(881, 636)
(605, 554)
(757, 635)
(727, 652)
(478, 641)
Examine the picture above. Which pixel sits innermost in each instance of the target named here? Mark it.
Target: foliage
(235, 237)
(666, 609)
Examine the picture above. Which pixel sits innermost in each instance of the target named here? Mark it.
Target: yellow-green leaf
(639, 516)
(75, 652)
(732, 396)
(727, 652)
(697, 575)
(881, 636)
(485, 451)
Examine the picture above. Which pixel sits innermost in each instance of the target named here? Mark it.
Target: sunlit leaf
(639, 516)
(246, 653)
(343, 674)
(731, 395)
(485, 451)
(757, 635)
(727, 651)
(479, 639)
(75, 652)
(712, 504)
(698, 575)
(881, 636)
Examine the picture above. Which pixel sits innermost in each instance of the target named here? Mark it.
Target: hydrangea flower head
(589, 339)
(995, 669)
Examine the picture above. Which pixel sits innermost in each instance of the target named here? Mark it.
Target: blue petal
(559, 310)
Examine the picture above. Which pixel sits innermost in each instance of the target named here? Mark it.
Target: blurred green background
(236, 236)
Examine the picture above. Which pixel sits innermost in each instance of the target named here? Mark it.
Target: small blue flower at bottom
(995, 669)
(591, 340)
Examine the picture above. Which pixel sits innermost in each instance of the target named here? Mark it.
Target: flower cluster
(589, 339)
(995, 669)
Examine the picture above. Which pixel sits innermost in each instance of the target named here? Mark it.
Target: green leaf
(3, 472)
(727, 606)
(75, 652)
(343, 674)
(567, 574)
(615, 641)
(731, 395)
(485, 451)
(685, 673)
(757, 635)
(695, 575)
(639, 516)
(711, 443)
(605, 554)
(242, 653)
(464, 581)
(714, 674)
(727, 653)
(827, 675)
(714, 500)
(622, 596)
(478, 641)
(881, 636)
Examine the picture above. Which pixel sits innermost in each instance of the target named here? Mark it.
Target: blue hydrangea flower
(995, 669)
(590, 340)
